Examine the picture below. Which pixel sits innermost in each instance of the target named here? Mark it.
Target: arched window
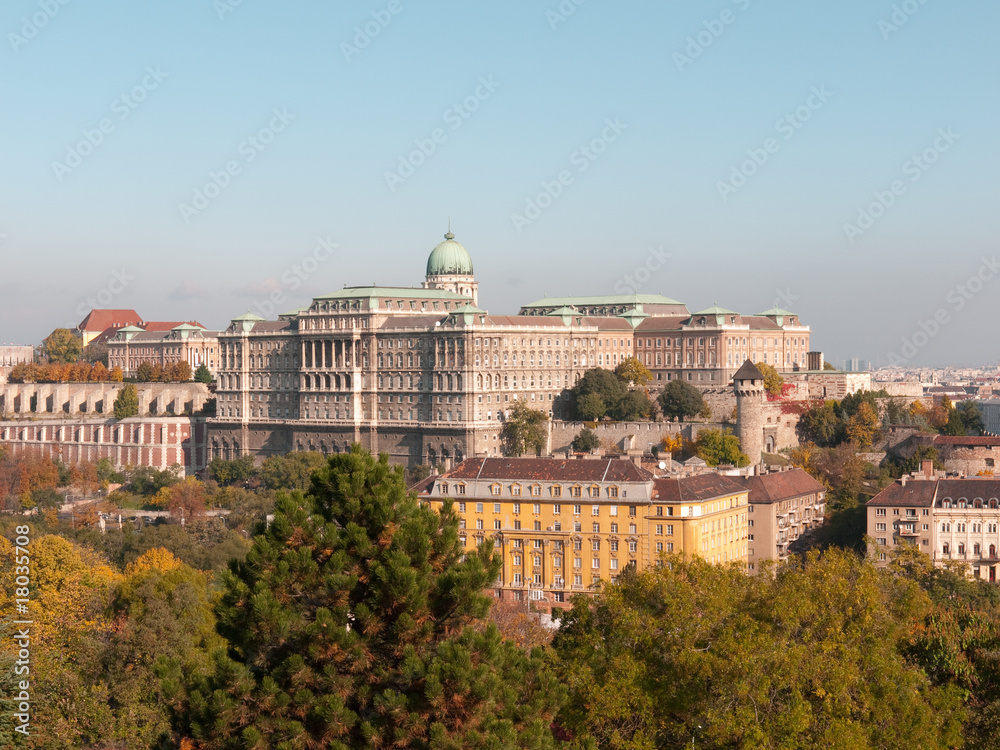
(945, 549)
(961, 548)
(993, 551)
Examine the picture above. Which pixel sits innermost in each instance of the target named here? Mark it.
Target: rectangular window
(880, 527)
(614, 528)
(577, 562)
(597, 528)
(536, 508)
(479, 523)
(557, 526)
(576, 510)
(659, 529)
(670, 529)
(496, 507)
(517, 507)
(612, 510)
(595, 510)
(880, 511)
(479, 507)
(538, 525)
(496, 524)
(517, 525)
(595, 563)
(461, 507)
(595, 544)
(557, 509)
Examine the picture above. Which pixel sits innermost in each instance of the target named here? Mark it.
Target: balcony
(907, 531)
(577, 587)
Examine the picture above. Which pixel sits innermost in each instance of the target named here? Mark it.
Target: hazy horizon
(751, 142)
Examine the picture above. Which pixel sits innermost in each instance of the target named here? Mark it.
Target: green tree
(806, 656)
(291, 471)
(62, 346)
(972, 418)
(821, 425)
(127, 403)
(586, 440)
(591, 407)
(633, 372)
(717, 447)
(634, 407)
(203, 374)
(144, 372)
(828, 366)
(679, 400)
(603, 383)
(238, 471)
(357, 621)
(772, 380)
(524, 430)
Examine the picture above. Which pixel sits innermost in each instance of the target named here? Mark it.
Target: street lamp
(693, 733)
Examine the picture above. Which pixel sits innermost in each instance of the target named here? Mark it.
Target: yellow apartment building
(562, 526)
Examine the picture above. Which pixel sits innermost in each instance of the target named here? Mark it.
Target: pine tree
(127, 403)
(203, 374)
(355, 622)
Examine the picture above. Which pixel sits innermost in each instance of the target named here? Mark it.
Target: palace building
(425, 375)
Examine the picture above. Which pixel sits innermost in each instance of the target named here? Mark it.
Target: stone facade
(562, 526)
(748, 385)
(131, 346)
(160, 442)
(424, 375)
(949, 519)
(784, 505)
(968, 456)
(11, 355)
(63, 400)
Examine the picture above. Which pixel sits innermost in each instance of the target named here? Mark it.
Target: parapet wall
(70, 400)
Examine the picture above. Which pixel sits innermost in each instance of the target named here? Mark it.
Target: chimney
(927, 469)
(902, 480)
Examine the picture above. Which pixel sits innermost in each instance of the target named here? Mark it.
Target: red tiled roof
(974, 440)
(783, 485)
(165, 325)
(661, 323)
(101, 320)
(916, 493)
(423, 486)
(695, 489)
(552, 469)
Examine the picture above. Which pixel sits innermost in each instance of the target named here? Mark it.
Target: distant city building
(989, 409)
(11, 355)
(425, 375)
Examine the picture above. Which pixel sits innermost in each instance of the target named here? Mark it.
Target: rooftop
(550, 469)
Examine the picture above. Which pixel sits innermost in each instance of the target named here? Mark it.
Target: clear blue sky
(886, 94)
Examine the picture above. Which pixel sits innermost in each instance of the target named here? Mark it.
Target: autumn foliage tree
(356, 622)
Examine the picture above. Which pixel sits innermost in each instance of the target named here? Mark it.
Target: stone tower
(748, 383)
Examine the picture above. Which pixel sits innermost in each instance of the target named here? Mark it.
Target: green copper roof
(449, 257)
(635, 316)
(131, 329)
(565, 310)
(612, 299)
(248, 316)
(470, 308)
(394, 292)
(775, 311)
(185, 327)
(716, 310)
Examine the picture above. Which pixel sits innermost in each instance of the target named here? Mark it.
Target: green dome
(449, 258)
